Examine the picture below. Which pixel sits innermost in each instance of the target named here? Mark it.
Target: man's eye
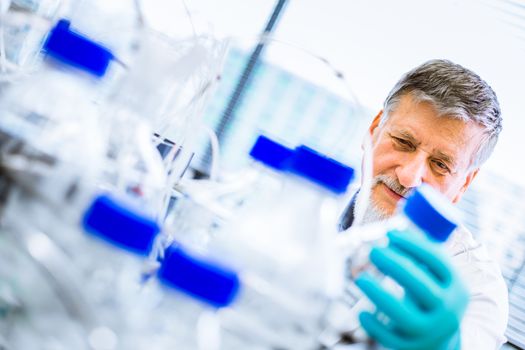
(402, 143)
(440, 166)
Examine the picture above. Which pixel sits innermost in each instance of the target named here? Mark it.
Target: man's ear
(464, 187)
(375, 122)
(373, 126)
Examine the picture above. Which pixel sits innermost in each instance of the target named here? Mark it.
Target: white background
(375, 41)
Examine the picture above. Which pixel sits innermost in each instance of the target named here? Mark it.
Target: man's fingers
(404, 315)
(381, 333)
(423, 251)
(417, 282)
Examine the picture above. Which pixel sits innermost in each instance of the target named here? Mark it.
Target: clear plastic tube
(366, 183)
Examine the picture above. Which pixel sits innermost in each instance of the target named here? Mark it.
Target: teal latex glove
(429, 315)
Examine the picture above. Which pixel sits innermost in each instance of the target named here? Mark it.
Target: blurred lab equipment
(105, 244)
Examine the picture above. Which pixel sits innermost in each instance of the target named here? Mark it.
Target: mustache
(393, 184)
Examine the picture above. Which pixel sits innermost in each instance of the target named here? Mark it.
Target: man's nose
(412, 171)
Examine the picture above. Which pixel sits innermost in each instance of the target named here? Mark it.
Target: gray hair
(455, 92)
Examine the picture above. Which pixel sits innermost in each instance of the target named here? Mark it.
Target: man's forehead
(445, 147)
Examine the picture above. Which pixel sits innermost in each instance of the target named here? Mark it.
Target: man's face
(416, 145)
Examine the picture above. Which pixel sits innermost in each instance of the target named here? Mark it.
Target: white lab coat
(485, 321)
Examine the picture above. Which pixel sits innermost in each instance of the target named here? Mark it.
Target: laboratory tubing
(50, 117)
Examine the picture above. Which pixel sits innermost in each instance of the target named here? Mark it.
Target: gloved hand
(429, 315)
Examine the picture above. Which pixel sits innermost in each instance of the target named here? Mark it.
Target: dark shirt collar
(347, 217)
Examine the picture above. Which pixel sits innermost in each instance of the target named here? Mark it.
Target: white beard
(373, 213)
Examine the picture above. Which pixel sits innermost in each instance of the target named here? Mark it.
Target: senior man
(438, 125)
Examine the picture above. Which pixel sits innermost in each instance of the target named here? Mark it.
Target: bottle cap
(121, 223)
(76, 50)
(431, 212)
(199, 278)
(321, 169)
(271, 153)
